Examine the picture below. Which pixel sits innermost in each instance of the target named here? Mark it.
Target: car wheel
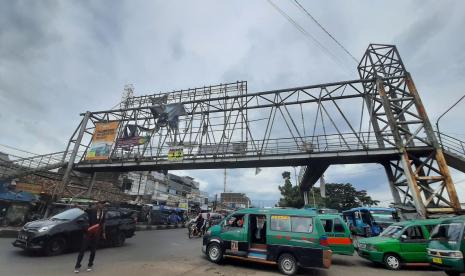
(287, 264)
(392, 261)
(214, 252)
(55, 246)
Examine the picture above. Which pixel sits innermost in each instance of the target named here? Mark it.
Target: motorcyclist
(199, 221)
(206, 223)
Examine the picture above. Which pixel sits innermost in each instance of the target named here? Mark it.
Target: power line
(304, 32)
(323, 28)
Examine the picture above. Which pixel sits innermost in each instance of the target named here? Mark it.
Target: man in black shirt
(92, 234)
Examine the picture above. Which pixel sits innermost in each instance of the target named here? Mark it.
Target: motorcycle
(193, 231)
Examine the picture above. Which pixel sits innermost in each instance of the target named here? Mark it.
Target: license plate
(437, 260)
(22, 237)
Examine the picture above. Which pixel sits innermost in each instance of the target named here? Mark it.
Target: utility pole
(224, 181)
(216, 202)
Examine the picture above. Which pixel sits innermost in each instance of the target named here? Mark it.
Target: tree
(291, 195)
(339, 196)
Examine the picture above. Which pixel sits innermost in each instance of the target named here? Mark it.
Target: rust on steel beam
(406, 163)
(439, 155)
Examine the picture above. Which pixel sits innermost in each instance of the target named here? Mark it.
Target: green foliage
(344, 196)
(291, 194)
(338, 196)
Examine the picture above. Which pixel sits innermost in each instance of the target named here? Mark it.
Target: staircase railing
(451, 144)
(17, 165)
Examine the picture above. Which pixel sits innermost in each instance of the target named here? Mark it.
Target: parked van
(402, 243)
(446, 246)
(287, 237)
(369, 221)
(339, 237)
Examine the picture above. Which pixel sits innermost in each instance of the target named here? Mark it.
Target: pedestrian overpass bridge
(378, 118)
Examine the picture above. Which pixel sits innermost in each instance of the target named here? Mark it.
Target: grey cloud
(60, 58)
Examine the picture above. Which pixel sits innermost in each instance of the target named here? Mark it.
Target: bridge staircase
(453, 149)
(16, 166)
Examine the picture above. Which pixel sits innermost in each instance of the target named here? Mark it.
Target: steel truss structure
(396, 107)
(378, 118)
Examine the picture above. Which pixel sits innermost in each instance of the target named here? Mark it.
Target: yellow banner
(102, 141)
(175, 154)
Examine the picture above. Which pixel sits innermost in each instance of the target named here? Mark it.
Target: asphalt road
(169, 252)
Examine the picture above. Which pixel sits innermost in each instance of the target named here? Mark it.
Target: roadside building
(235, 200)
(160, 189)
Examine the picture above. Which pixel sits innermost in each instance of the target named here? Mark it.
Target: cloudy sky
(60, 58)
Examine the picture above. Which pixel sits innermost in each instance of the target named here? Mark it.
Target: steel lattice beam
(378, 118)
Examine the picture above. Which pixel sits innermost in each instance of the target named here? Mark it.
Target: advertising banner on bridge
(102, 141)
(235, 147)
(131, 141)
(175, 154)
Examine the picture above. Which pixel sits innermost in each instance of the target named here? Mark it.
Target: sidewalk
(12, 232)
(9, 232)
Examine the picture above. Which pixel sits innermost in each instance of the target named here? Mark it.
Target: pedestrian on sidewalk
(91, 234)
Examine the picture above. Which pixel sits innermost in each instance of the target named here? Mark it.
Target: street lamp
(437, 121)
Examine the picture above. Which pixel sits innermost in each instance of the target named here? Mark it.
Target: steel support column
(72, 158)
(406, 164)
(392, 184)
(439, 155)
(92, 183)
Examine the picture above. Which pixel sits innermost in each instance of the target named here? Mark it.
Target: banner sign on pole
(102, 141)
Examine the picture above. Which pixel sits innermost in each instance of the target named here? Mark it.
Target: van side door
(339, 238)
(413, 245)
(234, 233)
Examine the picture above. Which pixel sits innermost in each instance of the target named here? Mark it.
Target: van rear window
(292, 224)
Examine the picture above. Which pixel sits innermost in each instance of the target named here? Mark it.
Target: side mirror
(81, 220)
(403, 237)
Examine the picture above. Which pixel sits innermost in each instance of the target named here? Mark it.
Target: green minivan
(402, 243)
(339, 236)
(446, 246)
(287, 237)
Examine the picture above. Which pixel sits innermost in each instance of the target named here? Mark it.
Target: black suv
(63, 231)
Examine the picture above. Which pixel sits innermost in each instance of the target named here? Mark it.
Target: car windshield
(68, 214)
(392, 231)
(382, 216)
(449, 232)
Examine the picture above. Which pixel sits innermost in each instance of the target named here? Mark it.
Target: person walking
(92, 234)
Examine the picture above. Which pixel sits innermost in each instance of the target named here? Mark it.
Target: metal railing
(343, 142)
(17, 165)
(451, 144)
